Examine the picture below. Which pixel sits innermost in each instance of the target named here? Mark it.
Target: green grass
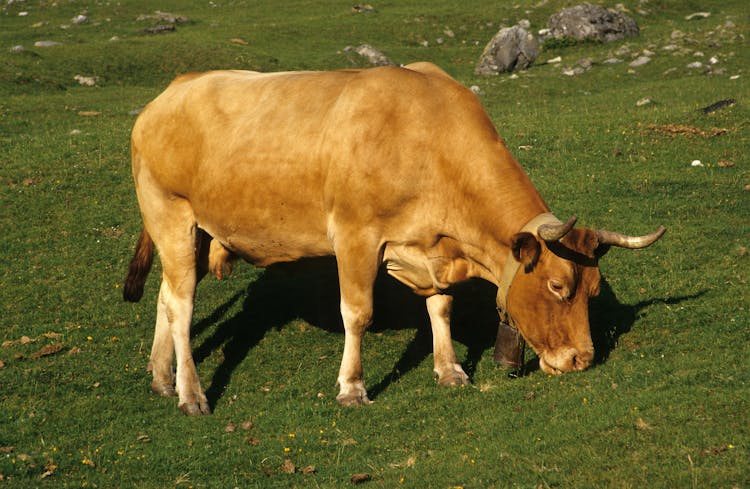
(666, 406)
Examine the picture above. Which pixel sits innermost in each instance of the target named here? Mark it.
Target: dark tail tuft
(140, 265)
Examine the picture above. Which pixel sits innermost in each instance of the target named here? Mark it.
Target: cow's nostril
(581, 361)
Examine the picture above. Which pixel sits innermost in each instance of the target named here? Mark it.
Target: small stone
(524, 24)
(573, 71)
(612, 61)
(363, 8)
(713, 60)
(698, 15)
(79, 19)
(475, 89)
(88, 81)
(677, 34)
(75, 132)
(623, 50)
(640, 61)
(698, 54)
(644, 101)
(373, 55)
(671, 47)
(159, 29)
(695, 65)
(17, 49)
(696, 163)
(47, 44)
(167, 17)
(554, 60)
(734, 77)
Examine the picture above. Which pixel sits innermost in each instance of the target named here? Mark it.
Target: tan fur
(399, 166)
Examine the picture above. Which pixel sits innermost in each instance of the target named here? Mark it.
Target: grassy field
(666, 405)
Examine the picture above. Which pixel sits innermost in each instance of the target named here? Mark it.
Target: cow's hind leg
(162, 351)
(447, 369)
(172, 226)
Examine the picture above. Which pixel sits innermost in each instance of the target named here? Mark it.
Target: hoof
(453, 377)
(195, 408)
(164, 390)
(345, 400)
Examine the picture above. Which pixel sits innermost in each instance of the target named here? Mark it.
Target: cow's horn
(554, 232)
(632, 242)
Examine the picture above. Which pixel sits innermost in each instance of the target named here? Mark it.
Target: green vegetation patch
(624, 147)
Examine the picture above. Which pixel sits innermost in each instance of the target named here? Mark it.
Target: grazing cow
(393, 167)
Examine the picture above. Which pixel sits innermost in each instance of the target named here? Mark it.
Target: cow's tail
(139, 267)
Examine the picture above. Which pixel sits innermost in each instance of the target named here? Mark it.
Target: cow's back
(269, 161)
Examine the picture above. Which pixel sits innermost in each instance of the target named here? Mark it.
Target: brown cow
(398, 167)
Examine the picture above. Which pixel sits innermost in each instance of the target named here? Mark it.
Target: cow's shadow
(308, 290)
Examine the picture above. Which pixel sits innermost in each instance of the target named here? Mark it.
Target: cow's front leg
(447, 369)
(357, 272)
(352, 388)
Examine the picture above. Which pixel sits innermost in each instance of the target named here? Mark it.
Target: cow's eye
(558, 288)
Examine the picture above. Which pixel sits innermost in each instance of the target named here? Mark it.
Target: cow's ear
(526, 250)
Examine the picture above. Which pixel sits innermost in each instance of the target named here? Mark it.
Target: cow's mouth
(565, 360)
(547, 368)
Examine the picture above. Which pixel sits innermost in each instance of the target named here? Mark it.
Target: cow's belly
(264, 240)
(262, 228)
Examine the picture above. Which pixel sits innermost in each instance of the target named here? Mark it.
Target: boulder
(593, 22)
(373, 56)
(512, 48)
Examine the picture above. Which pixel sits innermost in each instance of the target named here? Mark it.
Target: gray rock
(512, 48)
(698, 15)
(47, 44)
(166, 17)
(640, 61)
(17, 49)
(589, 21)
(372, 55)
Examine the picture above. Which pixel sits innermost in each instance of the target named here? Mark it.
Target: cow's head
(548, 298)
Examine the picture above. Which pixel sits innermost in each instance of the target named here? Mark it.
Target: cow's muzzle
(565, 360)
